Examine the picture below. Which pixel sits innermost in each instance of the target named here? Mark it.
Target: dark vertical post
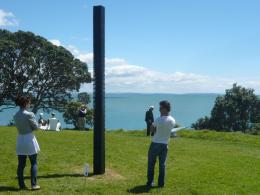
(99, 88)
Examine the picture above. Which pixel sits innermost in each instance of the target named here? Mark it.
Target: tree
(30, 64)
(202, 123)
(235, 111)
(84, 98)
(71, 114)
(90, 117)
(254, 130)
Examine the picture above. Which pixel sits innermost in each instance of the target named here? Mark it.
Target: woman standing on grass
(27, 144)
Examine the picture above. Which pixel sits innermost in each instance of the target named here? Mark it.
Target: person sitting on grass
(159, 146)
(42, 122)
(53, 123)
(27, 144)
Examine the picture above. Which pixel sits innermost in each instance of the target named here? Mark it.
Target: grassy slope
(198, 163)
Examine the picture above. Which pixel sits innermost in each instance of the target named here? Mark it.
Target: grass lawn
(199, 162)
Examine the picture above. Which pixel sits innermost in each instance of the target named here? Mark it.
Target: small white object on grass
(86, 170)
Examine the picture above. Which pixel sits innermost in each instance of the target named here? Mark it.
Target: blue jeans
(21, 166)
(160, 150)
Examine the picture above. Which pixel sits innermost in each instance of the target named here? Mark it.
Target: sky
(153, 46)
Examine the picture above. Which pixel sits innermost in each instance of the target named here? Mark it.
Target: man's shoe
(23, 188)
(150, 185)
(36, 187)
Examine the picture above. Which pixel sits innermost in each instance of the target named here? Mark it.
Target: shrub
(234, 111)
(254, 130)
(202, 123)
(71, 114)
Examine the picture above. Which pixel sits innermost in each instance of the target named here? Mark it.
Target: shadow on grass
(51, 176)
(139, 189)
(8, 188)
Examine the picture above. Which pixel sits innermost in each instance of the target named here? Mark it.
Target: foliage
(202, 123)
(71, 114)
(254, 130)
(235, 111)
(30, 64)
(84, 98)
(89, 117)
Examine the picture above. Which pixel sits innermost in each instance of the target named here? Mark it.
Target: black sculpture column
(99, 88)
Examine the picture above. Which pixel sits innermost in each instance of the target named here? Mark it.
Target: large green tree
(30, 64)
(237, 110)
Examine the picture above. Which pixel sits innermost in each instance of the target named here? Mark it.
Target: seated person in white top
(54, 123)
(159, 146)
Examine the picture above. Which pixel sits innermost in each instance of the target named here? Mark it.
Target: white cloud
(124, 77)
(115, 61)
(73, 50)
(86, 57)
(55, 42)
(7, 19)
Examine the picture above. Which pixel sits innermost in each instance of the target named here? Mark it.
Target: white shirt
(164, 125)
(53, 124)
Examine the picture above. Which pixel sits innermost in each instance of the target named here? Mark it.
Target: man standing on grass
(159, 146)
(82, 117)
(149, 120)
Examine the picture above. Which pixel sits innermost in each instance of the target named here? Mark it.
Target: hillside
(198, 163)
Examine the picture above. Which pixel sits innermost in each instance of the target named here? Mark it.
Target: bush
(254, 130)
(234, 111)
(71, 114)
(202, 123)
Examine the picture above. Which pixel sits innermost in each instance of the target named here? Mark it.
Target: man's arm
(173, 123)
(154, 125)
(153, 128)
(152, 118)
(146, 117)
(85, 111)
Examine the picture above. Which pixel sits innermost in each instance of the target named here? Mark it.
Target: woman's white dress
(27, 144)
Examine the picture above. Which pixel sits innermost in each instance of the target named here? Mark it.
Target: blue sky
(173, 46)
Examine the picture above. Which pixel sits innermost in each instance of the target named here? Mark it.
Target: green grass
(199, 162)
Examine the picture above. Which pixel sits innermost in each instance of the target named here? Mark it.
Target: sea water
(127, 111)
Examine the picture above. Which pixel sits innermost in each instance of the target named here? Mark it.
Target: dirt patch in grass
(110, 174)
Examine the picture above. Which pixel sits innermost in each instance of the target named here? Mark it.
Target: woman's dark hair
(165, 104)
(22, 101)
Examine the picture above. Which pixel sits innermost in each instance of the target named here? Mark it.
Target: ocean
(127, 110)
